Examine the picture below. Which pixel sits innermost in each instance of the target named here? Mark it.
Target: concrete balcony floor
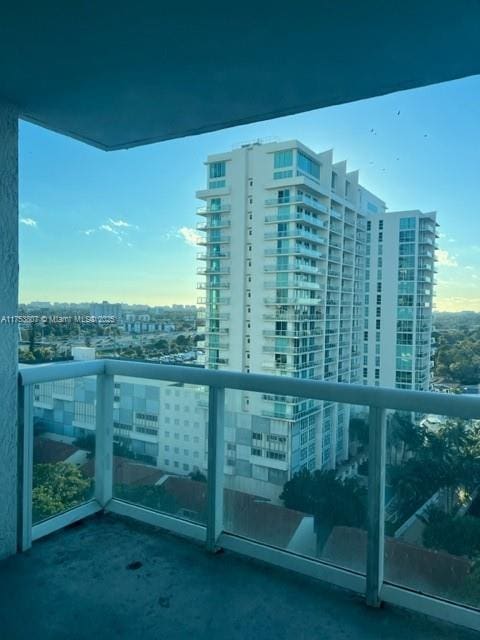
(113, 578)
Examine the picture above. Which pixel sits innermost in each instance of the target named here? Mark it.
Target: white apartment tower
(399, 275)
(290, 240)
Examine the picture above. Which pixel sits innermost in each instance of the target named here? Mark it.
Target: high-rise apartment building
(400, 268)
(290, 240)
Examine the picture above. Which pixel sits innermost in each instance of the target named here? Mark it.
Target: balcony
(359, 560)
(291, 349)
(294, 233)
(292, 283)
(214, 239)
(295, 216)
(294, 266)
(294, 250)
(212, 224)
(176, 588)
(297, 199)
(215, 255)
(222, 208)
(292, 333)
(293, 300)
(213, 285)
(205, 271)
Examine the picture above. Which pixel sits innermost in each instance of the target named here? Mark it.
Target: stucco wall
(8, 332)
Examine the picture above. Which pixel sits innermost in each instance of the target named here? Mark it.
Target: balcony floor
(77, 584)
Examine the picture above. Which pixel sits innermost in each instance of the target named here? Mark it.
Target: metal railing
(376, 399)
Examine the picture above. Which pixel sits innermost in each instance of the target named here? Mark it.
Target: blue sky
(119, 226)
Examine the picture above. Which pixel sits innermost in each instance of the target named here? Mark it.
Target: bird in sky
(398, 112)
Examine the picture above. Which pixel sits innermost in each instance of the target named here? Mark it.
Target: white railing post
(216, 455)
(104, 439)
(376, 505)
(25, 466)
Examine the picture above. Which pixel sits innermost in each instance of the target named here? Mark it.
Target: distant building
(106, 309)
(83, 353)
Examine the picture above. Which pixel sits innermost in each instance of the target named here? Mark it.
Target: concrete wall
(8, 332)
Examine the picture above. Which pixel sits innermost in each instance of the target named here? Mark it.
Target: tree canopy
(58, 487)
(332, 501)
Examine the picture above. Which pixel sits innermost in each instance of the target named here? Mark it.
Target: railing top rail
(462, 406)
(49, 372)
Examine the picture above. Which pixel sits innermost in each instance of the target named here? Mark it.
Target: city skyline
(117, 227)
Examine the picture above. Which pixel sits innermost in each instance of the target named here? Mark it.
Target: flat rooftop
(109, 577)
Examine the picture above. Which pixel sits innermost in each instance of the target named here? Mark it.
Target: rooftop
(115, 578)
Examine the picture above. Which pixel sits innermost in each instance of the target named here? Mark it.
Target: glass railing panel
(160, 446)
(63, 445)
(432, 518)
(295, 478)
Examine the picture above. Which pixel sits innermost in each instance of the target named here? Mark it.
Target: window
(283, 159)
(281, 175)
(407, 236)
(217, 170)
(408, 223)
(407, 249)
(146, 430)
(307, 165)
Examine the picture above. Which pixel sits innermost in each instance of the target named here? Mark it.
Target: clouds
(122, 223)
(28, 222)
(190, 236)
(119, 229)
(445, 259)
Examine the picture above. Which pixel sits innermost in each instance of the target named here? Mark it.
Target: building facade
(289, 286)
(400, 281)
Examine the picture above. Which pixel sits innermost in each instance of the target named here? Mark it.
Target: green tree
(332, 501)
(58, 487)
(359, 430)
(446, 460)
(459, 536)
(198, 476)
(182, 341)
(404, 435)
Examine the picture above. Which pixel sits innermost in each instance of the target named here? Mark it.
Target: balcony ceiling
(120, 74)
